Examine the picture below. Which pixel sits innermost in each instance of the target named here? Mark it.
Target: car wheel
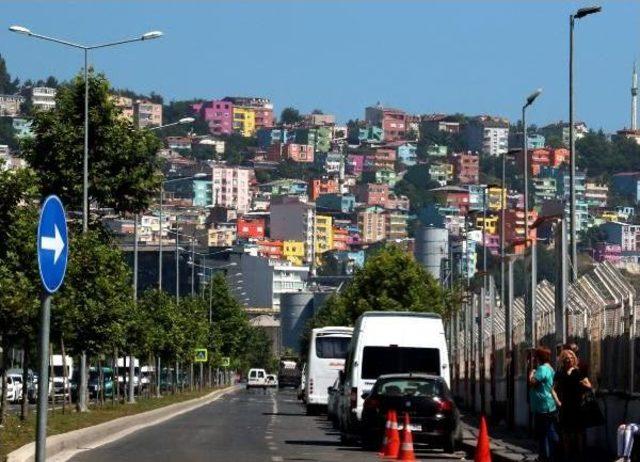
(370, 442)
(450, 443)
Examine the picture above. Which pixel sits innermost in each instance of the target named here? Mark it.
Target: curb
(64, 445)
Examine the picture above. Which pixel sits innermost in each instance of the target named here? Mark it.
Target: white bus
(327, 352)
(389, 342)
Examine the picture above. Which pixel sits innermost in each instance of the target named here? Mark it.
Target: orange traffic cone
(391, 442)
(406, 448)
(483, 451)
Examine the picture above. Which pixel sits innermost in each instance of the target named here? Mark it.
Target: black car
(434, 417)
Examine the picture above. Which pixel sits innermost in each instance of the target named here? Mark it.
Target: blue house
(268, 136)
(337, 202)
(406, 154)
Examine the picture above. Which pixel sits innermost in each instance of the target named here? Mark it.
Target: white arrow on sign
(54, 243)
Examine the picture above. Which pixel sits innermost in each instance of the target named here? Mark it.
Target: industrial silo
(296, 308)
(431, 249)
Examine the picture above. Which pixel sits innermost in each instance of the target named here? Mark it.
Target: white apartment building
(231, 187)
(264, 280)
(293, 220)
(496, 141)
(147, 114)
(43, 98)
(488, 134)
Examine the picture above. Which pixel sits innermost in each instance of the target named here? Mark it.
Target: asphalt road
(244, 426)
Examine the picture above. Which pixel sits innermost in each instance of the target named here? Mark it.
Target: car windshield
(410, 386)
(332, 347)
(377, 361)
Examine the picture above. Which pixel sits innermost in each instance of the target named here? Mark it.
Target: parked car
(257, 378)
(434, 416)
(389, 342)
(14, 388)
(325, 360)
(272, 380)
(332, 403)
(63, 373)
(301, 395)
(288, 374)
(95, 385)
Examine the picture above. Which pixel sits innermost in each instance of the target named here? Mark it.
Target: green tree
(91, 308)
(19, 286)
(290, 116)
(391, 280)
(7, 86)
(122, 159)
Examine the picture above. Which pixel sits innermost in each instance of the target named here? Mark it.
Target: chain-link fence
(600, 314)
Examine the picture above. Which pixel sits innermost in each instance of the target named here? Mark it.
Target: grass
(17, 433)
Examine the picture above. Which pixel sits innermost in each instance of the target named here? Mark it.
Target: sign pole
(53, 251)
(43, 380)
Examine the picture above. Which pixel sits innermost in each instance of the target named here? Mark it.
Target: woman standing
(544, 404)
(571, 384)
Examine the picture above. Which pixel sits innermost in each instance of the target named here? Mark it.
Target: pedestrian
(582, 365)
(570, 386)
(544, 404)
(626, 435)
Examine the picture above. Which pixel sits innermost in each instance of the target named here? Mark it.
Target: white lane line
(277, 459)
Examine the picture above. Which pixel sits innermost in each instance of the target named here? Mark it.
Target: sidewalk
(505, 445)
(511, 445)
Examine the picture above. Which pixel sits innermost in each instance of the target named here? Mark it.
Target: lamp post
(85, 48)
(581, 13)
(529, 292)
(173, 180)
(183, 121)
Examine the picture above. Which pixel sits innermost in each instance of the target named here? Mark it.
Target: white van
(327, 352)
(257, 378)
(60, 370)
(388, 342)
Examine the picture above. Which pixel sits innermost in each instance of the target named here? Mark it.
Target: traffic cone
(406, 448)
(391, 442)
(483, 451)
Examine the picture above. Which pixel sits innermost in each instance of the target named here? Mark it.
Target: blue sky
(472, 57)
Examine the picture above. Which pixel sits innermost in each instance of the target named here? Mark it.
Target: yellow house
(491, 224)
(610, 215)
(496, 197)
(323, 233)
(244, 121)
(294, 252)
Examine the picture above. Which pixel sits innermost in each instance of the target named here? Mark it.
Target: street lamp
(173, 180)
(183, 121)
(581, 13)
(85, 48)
(530, 290)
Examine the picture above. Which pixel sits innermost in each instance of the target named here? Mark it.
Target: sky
(473, 57)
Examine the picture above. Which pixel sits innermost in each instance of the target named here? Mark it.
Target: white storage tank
(432, 249)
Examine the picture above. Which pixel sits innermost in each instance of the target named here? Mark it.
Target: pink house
(603, 251)
(217, 114)
(355, 164)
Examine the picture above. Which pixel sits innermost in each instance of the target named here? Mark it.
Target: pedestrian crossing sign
(200, 355)
(226, 361)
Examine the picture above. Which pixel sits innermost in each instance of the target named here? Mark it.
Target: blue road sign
(53, 246)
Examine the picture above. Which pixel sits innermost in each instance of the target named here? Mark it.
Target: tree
(7, 86)
(19, 287)
(290, 116)
(417, 185)
(122, 159)
(391, 280)
(91, 308)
